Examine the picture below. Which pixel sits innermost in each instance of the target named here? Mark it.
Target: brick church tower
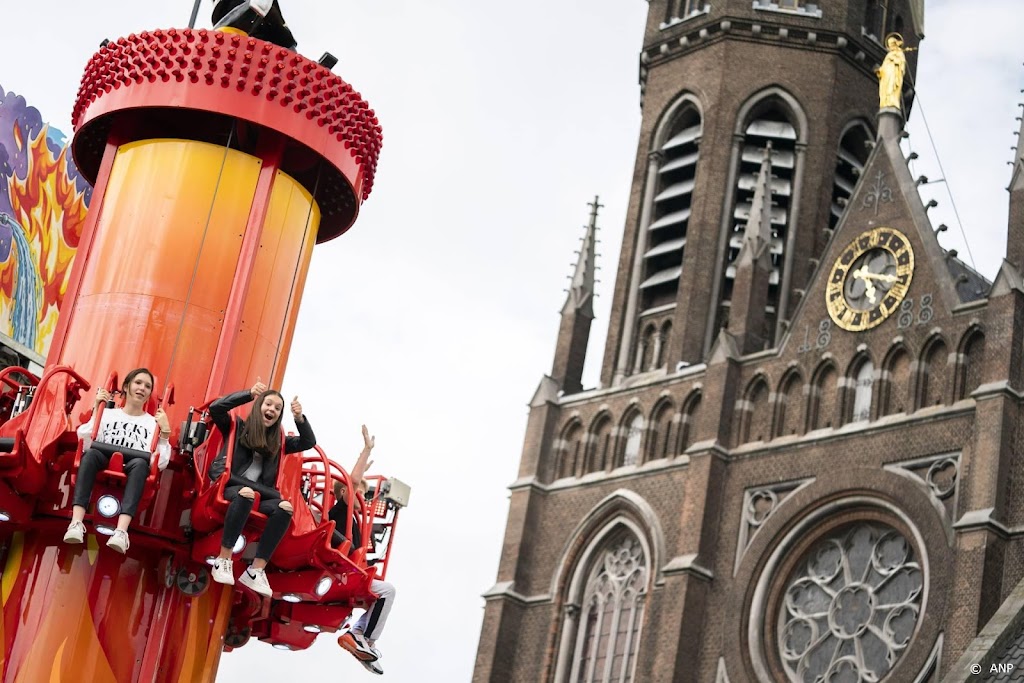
(799, 463)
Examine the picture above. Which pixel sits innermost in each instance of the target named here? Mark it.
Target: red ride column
(218, 162)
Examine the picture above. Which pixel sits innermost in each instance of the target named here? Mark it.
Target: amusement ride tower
(218, 161)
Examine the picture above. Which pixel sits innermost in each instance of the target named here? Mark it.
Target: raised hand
(296, 409)
(257, 388)
(363, 462)
(368, 441)
(163, 422)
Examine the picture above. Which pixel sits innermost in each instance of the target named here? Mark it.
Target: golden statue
(890, 74)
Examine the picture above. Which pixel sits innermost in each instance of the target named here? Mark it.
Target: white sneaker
(373, 667)
(119, 541)
(355, 643)
(261, 7)
(223, 571)
(256, 579)
(75, 533)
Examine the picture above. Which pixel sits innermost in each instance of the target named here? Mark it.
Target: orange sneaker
(357, 646)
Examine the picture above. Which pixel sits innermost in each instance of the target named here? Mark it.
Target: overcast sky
(433, 319)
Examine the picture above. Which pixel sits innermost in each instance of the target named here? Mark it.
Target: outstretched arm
(363, 462)
(221, 408)
(306, 439)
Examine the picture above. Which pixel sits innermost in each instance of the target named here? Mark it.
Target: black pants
(238, 511)
(136, 469)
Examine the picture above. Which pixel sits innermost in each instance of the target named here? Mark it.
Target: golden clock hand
(864, 276)
(869, 291)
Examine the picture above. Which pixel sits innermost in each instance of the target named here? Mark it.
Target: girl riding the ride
(259, 443)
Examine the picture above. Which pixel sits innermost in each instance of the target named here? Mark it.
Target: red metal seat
(37, 440)
(12, 390)
(310, 561)
(308, 543)
(315, 585)
(210, 506)
(305, 538)
(41, 436)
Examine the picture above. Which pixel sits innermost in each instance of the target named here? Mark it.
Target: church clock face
(869, 279)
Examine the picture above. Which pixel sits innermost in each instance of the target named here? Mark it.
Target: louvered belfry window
(850, 159)
(666, 233)
(769, 126)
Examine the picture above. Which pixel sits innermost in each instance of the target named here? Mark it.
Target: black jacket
(339, 513)
(220, 413)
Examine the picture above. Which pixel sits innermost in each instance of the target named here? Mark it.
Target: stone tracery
(851, 607)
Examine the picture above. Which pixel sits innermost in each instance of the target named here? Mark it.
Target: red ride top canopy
(184, 83)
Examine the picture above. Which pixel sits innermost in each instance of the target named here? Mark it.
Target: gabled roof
(970, 284)
(886, 196)
(1000, 643)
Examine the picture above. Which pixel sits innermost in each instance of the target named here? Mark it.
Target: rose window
(851, 606)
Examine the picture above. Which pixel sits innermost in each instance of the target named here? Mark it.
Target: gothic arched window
(687, 419)
(678, 10)
(863, 381)
(874, 18)
(758, 422)
(896, 383)
(969, 369)
(934, 378)
(850, 160)
(660, 433)
(569, 450)
(663, 338)
(897, 24)
(789, 415)
(645, 349)
(769, 124)
(611, 610)
(634, 436)
(600, 440)
(665, 241)
(823, 398)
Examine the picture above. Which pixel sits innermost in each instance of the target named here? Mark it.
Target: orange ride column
(218, 161)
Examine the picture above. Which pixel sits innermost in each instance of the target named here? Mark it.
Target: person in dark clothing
(339, 513)
(257, 18)
(360, 641)
(258, 446)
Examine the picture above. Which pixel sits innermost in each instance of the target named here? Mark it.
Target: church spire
(748, 322)
(757, 235)
(581, 289)
(577, 313)
(1015, 237)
